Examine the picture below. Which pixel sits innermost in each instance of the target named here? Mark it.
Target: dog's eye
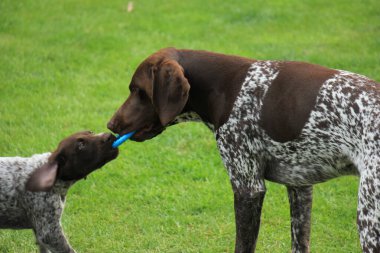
(81, 144)
(61, 159)
(142, 95)
(134, 89)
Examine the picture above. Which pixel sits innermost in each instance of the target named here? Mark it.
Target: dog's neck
(61, 187)
(215, 81)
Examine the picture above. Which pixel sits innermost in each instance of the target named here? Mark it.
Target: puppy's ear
(170, 90)
(43, 178)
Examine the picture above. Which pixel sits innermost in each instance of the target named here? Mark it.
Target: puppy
(33, 190)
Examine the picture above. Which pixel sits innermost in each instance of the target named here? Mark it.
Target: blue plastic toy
(121, 139)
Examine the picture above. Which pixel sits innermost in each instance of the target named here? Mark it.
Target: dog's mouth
(109, 152)
(146, 132)
(112, 154)
(108, 155)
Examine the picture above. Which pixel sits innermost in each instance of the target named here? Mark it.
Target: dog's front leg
(42, 248)
(300, 200)
(50, 237)
(44, 210)
(247, 219)
(245, 169)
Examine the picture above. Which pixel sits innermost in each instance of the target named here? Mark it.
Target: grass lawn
(65, 66)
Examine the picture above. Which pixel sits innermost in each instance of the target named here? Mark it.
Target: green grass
(65, 66)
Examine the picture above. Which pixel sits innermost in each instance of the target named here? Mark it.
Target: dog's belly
(14, 218)
(313, 158)
(294, 174)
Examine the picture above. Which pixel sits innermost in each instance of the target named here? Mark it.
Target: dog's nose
(111, 138)
(111, 125)
(108, 137)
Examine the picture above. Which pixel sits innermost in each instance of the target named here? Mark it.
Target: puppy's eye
(61, 159)
(81, 144)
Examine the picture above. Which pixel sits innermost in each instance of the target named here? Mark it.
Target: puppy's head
(159, 91)
(76, 157)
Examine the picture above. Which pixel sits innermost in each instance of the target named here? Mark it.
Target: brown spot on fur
(291, 98)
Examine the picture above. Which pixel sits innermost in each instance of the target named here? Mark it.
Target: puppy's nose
(108, 137)
(111, 138)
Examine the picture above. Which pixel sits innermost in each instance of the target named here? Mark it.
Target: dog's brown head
(158, 93)
(76, 156)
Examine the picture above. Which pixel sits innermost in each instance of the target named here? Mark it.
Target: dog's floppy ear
(170, 90)
(43, 178)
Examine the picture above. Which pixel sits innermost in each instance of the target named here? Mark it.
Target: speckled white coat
(340, 137)
(41, 211)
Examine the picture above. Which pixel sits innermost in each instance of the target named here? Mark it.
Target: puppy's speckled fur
(33, 198)
(40, 211)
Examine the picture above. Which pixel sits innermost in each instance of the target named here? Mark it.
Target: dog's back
(14, 172)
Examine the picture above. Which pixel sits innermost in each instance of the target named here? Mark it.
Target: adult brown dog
(293, 123)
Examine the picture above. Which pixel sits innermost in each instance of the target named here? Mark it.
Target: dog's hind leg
(300, 200)
(368, 212)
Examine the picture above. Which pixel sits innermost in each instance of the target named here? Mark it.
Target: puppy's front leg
(42, 247)
(44, 212)
(50, 236)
